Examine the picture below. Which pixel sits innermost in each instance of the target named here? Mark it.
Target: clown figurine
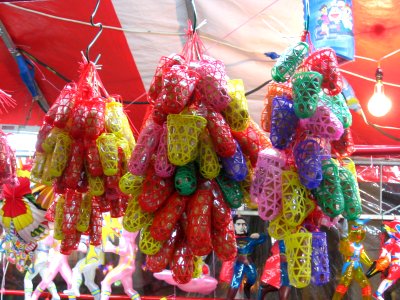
(244, 264)
(354, 254)
(388, 258)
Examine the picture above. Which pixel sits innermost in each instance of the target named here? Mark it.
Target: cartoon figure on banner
(389, 258)
(354, 254)
(244, 265)
(275, 275)
(42, 256)
(126, 266)
(86, 267)
(323, 21)
(201, 282)
(58, 263)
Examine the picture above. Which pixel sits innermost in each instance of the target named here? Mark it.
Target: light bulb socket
(378, 74)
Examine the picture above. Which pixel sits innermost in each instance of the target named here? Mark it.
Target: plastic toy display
(354, 254)
(243, 265)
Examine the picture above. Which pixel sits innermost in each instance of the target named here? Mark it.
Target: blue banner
(330, 24)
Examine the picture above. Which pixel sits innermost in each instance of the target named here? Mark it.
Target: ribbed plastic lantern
(329, 193)
(224, 242)
(274, 89)
(323, 123)
(47, 178)
(294, 199)
(245, 186)
(84, 213)
(38, 167)
(108, 151)
(307, 158)
(71, 211)
(320, 271)
(221, 213)
(50, 141)
(351, 194)
(283, 122)
(221, 135)
(237, 113)
(162, 166)
(337, 104)
(278, 228)
(131, 184)
(59, 217)
(235, 166)
(266, 186)
(94, 121)
(231, 190)
(298, 253)
(345, 145)
(135, 218)
(147, 244)
(208, 159)
(185, 179)
(183, 137)
(114, 117)
(96, 185)
(306, 87)
(324, 61)
(288, 62)
(145, 147)
(182, 263)
(96, 223)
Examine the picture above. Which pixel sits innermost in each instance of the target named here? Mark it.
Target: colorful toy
(243, 263)
(57, 264)
(354, 254)
(126, 266)
(389, 259)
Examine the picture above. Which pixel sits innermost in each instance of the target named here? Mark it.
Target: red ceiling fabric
(59, 44)
(376, 25)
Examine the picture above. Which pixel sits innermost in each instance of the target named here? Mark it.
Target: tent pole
(26, 71)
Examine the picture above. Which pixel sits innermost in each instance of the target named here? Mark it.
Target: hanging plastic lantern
(266, 186)
(60, 111)
(58, 218)
(108, 151)
(306, 87)
(145, 147)
(221, 213)
(178, 85)
(96, 223)
(324, 61)
(37, 167)
(157, 114)
(182, 263)
(231, 190)
(159, 261)
(72, 173)
(279, 229)
(84, 213)
(208, 159)
(147, 244)
(307, 157)
(198, 231)
(294, 199)
(323, 123)
(78, 122)
(185, 179)
(320, 272)
(329, 194)
(298, 252)
(274, 89)
(221, 136)
(183, 137)
(92, 158)
(288, 62)
(337, 104)
(42, 135)
(212, 85)
(47, 178)
(114, 116)
(245, 185)
(135, 218)
(162, 166)
(252, 140)
(166, 217)
(236, 113)
(71, 212)
(155, 191)
(131, 184)
(351, 194)
(283, 122)
(235, 166)
(96, 185)
(345, 145)
(94, 121)
(50, 142)
(224, 242)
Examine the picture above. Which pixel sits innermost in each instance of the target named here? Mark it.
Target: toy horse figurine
(354, 254)
(388, 258)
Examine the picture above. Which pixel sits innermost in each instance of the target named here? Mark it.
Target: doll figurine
(275, 275)
(354, 254)
(86, 267)
(58, 263)
(126, 266)
(244, 265)
(388, 258)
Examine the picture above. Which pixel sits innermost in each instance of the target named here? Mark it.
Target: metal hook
(191, 9)
(100, 25)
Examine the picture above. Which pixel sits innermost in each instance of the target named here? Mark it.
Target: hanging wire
(100, 25)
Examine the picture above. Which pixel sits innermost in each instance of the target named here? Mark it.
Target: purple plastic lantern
(319, 259)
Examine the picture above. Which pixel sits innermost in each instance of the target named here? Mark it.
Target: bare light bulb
(379, 105)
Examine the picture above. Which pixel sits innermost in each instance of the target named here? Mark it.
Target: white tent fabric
(236, 32)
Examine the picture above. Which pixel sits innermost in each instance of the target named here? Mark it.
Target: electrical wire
(257, 88)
